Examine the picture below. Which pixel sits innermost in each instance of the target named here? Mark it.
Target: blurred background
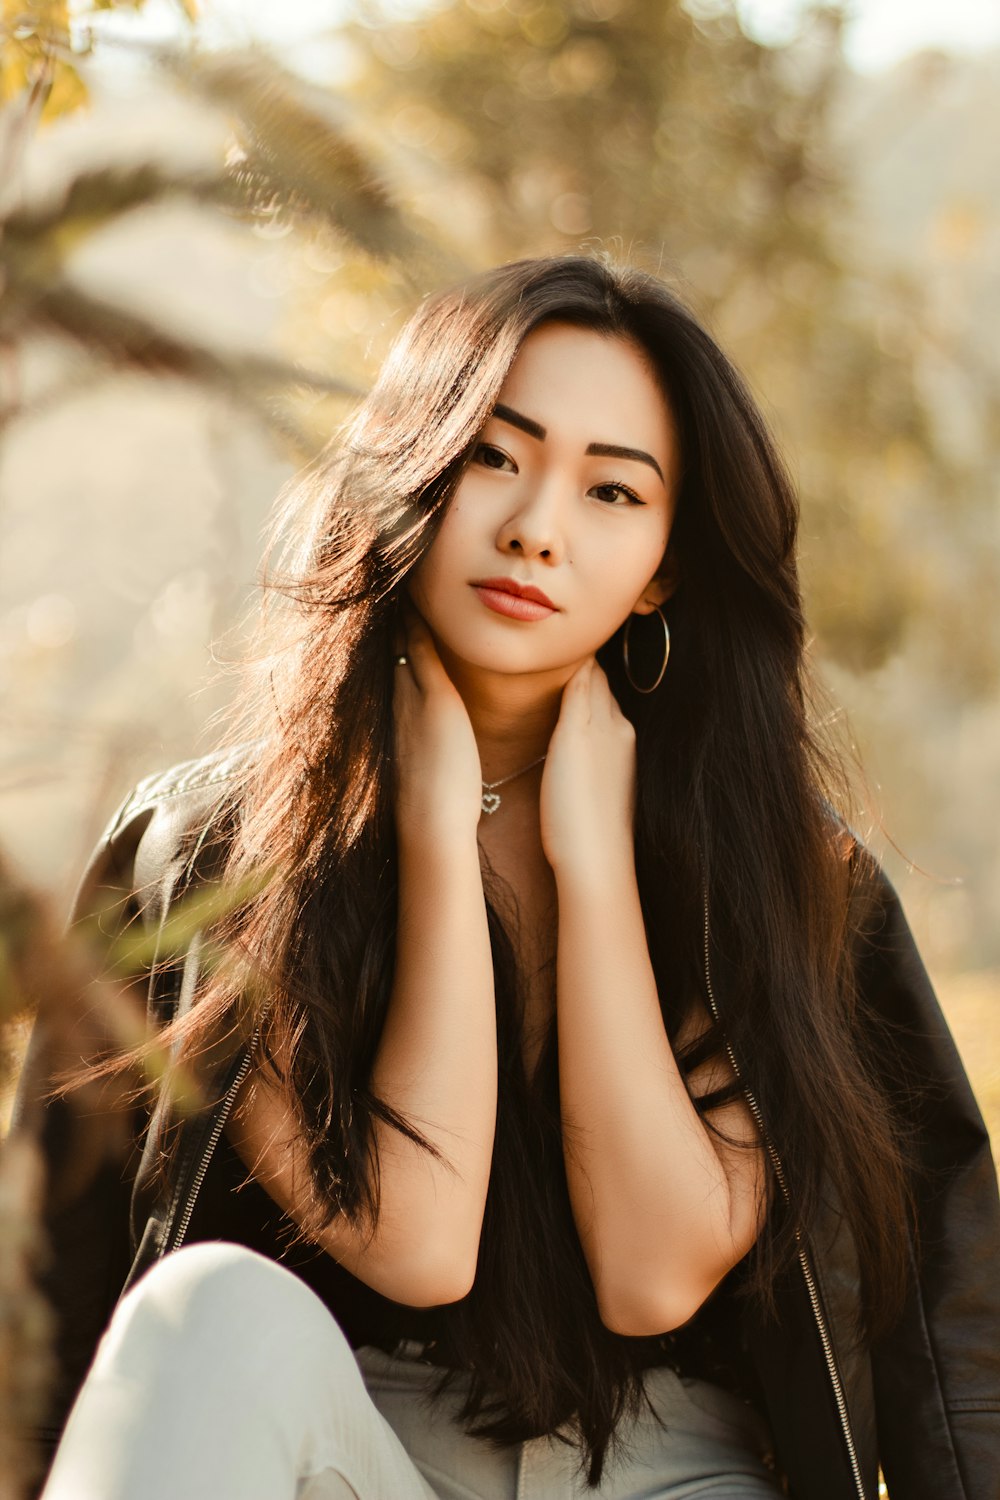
(216, 216)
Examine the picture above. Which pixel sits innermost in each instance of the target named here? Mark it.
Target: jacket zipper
(175, 1238)
(805, 1264)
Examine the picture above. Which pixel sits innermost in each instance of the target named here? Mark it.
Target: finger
(576, 694)
(604, 704)
(580, 679)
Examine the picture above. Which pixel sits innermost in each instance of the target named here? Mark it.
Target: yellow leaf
(46, 19)
(35, 51)
(68, 93)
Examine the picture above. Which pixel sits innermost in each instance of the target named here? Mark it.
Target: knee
(215, 1281)
(218, 1296)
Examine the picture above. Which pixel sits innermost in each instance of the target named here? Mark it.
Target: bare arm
(663, 1207)
(437, 1058)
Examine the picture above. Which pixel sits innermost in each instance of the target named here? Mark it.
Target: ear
(659, 588)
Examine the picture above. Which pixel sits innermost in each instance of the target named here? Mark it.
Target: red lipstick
(519, 601)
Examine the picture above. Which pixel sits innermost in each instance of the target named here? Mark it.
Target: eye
(492, 457)
(616, 494)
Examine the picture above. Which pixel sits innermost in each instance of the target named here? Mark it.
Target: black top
(233, 1206)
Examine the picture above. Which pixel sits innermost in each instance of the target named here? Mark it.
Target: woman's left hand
(588, 785)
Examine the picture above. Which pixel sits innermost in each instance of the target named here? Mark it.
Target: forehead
(600, 388)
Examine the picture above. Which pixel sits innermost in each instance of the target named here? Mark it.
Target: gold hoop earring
(666, 652)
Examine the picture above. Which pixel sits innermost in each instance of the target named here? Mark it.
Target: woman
(570, 1049)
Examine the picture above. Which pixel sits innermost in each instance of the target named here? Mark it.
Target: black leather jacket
(924, 1404)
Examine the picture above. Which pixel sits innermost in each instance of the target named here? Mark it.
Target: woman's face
(571, 493)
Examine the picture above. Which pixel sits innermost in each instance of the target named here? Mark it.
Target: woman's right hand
(438, 772)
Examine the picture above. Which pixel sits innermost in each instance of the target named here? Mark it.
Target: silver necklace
(491, 797)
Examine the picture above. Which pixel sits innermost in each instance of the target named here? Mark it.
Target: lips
(517, 601)
(518, 590)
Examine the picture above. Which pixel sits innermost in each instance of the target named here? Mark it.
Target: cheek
(618, 575)
(434, 577)
(425, 586)
(450, 542)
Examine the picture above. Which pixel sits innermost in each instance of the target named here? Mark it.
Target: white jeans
(223, 1377)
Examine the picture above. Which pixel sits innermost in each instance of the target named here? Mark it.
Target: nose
(537, 528)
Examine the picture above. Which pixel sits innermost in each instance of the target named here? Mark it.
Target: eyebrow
(596, 450)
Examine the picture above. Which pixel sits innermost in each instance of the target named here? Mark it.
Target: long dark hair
(735, 805)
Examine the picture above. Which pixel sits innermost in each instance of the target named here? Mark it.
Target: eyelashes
(482, 450)
(631, 497)
(489, 456)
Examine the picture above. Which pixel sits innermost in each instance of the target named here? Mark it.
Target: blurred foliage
(31, 965)
(39, 52)
(291, 161)
(293, 164)
(298, 162)
(86, 994)
(34, 57)
(35, 51)
(661, 131)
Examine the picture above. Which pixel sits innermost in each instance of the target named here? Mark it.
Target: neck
(512, 716)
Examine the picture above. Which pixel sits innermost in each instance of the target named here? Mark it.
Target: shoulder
(892, 987)
(910, 1040)
(874, 910)
(184, 790)
(883, 944)
(169, 823)
(890, 974)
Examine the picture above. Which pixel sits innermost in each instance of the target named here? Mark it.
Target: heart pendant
(491, 801)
